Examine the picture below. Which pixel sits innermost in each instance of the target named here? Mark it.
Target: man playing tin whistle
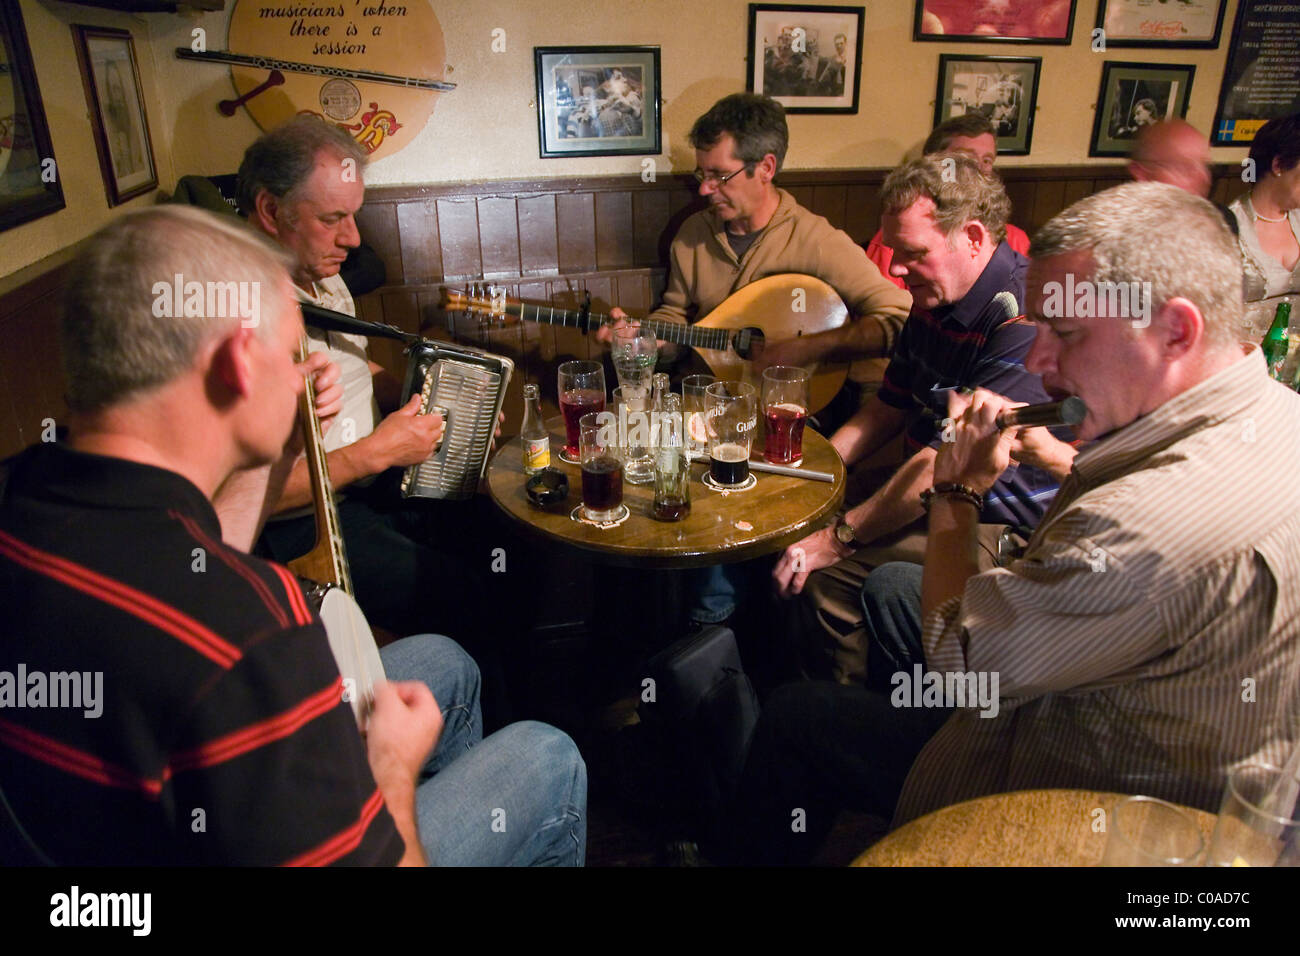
(1147, 640)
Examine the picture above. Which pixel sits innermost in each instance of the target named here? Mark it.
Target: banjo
(324, 573)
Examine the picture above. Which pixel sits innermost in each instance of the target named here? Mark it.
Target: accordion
(467, 386)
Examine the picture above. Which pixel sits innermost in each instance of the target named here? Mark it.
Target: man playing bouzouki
(752, 229)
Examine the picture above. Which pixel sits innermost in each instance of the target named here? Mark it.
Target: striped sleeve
(272, 757)
(1010, 620)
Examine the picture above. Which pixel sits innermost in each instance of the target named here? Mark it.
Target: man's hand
(404, 727)
(405, 437)
(793, 352)
(819, 550)
(327, 386)
(605, 334)
(979, 452)
(1039, 448)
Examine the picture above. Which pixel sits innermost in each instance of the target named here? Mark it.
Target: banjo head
(354, 650)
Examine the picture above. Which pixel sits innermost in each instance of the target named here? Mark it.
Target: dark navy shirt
(974, 342)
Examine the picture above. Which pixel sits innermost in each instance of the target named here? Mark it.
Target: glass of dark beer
(785, 409)
(582, 392)
(602, 468)
(731, 417)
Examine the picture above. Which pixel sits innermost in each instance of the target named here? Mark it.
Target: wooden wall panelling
(378, 223)
(417, 227)
(831, 201)
(498, 225)
(539, 252)
(1049, 199)
(861, 212)
(31, 369)
(649, 218)
(459, 239)
(615, 231)
(575, 222)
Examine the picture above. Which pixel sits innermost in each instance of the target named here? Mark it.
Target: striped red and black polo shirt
(221, 736)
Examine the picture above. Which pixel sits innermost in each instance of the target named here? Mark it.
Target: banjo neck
(327, 561)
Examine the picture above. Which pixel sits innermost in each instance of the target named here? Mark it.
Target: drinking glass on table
(731, 416)
(1259, 821)
(785, 410)
(602, 469)
(693, 410)
(582, 392)
(1145, 831)
(632, 408)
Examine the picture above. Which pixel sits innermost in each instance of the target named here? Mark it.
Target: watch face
(844, 533)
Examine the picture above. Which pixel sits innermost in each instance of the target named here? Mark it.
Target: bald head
(1172, 152)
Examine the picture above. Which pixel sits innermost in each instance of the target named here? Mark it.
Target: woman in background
(1269, 216)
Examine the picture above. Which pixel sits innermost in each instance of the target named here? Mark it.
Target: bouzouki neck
(327, 561)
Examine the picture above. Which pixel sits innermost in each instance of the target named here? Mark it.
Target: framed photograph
(117, 114)
(1134, 95)
(995, 21)
(808, 59)
(29, 176)
(1187, 24)
(1003, 88)
(597, 100)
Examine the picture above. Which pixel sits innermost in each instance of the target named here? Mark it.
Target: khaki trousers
(833, 624)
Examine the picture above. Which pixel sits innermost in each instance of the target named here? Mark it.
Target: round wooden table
(721, 528)
(1025, 828)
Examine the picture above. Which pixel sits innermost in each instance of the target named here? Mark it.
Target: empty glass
(1145, 831)
(1259, 822)
(693, 408)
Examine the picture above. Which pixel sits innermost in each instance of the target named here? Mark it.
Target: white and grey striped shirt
(1150, 637)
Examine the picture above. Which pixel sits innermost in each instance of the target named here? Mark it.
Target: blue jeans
(516, 798)
(713, 597)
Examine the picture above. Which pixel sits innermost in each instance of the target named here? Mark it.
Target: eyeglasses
(702, 177)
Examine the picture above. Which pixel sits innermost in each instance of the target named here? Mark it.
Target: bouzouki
(325, 576)
(773, 310)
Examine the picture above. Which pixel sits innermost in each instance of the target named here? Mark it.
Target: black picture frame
(1128, 30)
(118, 117)
(1002, 96)
(1125, 89)
(943, 21)
(618, 122)
(30, 186)
(1253, 45)
(809, 82)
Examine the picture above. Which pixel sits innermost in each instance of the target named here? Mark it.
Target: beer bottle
(534, 436)
(1275, 341)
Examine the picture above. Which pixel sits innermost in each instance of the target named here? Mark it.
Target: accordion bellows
(470, 385)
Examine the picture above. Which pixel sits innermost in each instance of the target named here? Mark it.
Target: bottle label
(537, 454)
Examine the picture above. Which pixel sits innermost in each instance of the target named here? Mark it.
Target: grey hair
(121, 331)
(281, 161)
(1156, 233)
(960, 191)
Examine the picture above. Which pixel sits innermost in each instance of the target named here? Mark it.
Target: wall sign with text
(1262, 78)
(398, 39)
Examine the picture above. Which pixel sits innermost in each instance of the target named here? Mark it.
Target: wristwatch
(845, 534)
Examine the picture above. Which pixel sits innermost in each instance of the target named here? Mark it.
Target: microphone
(1069, 411)
(1010, 307)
